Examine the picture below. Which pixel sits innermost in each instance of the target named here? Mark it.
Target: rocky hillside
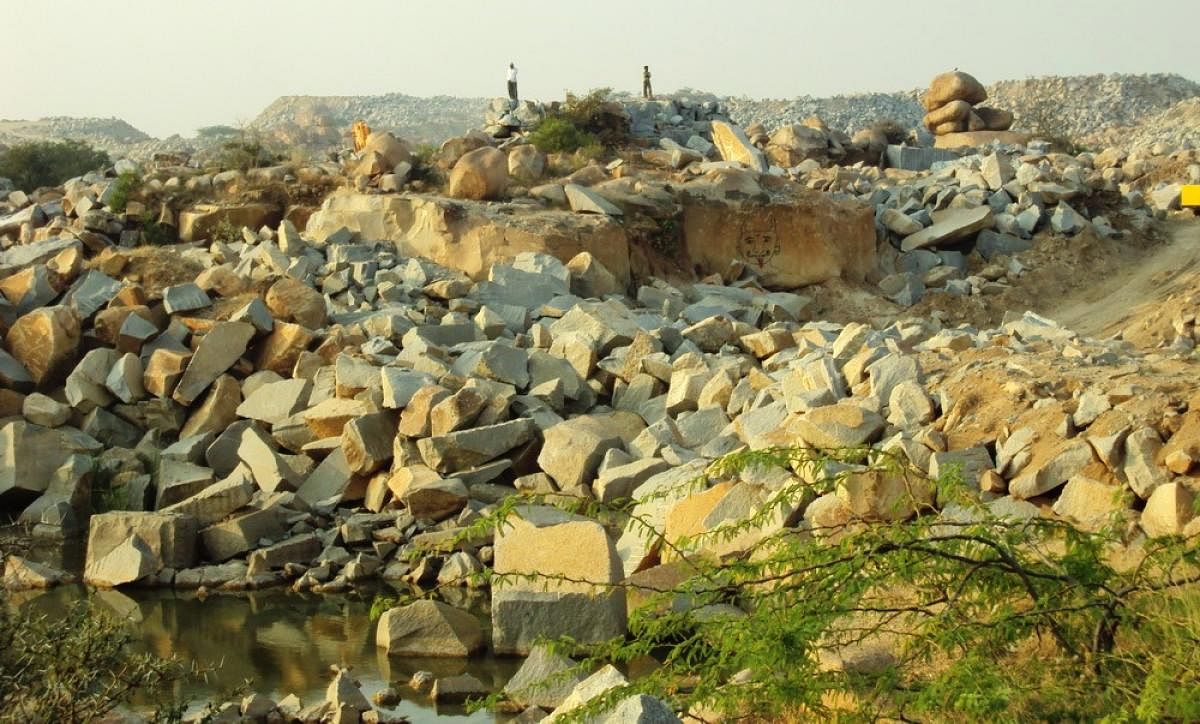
(1075, 106)
(1080, 107)
(1065, 105)
(313, 120)
(109, 134)
(1177, 126)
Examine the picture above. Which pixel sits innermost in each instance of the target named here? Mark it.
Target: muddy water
(283, 643)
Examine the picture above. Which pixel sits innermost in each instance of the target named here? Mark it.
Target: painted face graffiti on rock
(758, 242)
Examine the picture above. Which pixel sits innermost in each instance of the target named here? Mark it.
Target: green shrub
(214, 132)
(126, 184)
(983, 616)
(155, 233)
(226, 233)
(424, 165)
(49, 163)
(597, 115)
(244, 153)
(78, 668)
(555, 134)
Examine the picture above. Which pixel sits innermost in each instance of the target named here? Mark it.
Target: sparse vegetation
(213, 132)
(126, 185)
(559, 135)
(36, 164)
(243, 153)
(226, 233)
(155, 233)
(595, 114)
(587, 124)
(78, 668)
(965, 616)
(424, 165)
(1044, 118)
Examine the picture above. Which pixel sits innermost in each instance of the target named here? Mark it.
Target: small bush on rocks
(559, 135)
(126, 185)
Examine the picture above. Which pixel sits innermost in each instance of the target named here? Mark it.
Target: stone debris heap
(960, 227)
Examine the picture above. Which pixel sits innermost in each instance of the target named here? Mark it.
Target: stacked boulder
(952, 106)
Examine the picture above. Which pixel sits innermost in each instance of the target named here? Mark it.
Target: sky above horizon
(175, 65)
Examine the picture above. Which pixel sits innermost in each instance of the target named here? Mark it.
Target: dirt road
(1142, 297)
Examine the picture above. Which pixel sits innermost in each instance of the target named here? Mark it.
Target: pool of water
(282, 642)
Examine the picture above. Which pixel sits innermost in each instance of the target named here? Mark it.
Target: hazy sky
(169, 66)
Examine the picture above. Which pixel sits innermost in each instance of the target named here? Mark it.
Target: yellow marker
(1190, 196)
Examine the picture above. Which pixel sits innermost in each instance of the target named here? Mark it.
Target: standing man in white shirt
(512, 82)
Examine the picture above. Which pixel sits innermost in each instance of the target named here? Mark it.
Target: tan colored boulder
(200, 221)
(884, 496)
(164, 370)
(168, 540)
(589, 278)
(326, 419)
(994, 119)
(292, 299)
(974, 139)
(952, 112)
(1168, 509)
(392, 150)
(686, 519)
(791, 144)
(1090, 504)
(572, 592)
(808, 240)
(953, 86)
(472, 237)
(218, 411)
(526, 163)
(218, 350)
(46, 342)
(428, 628)
(283, 347)
(733, 145)
(837, 426)
(950, 226)
(481, 174)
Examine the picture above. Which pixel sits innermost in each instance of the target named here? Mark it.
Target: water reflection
(283, 642)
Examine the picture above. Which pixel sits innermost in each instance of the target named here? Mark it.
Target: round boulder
(392, 150)
(526, 163)
(994, 118)
(952, 112)
(480, 174)
(954, 86)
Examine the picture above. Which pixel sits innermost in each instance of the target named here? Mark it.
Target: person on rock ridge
(646, 92)
(512, 82)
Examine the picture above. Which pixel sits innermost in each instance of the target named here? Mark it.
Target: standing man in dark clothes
(512, 82)
(646, 92)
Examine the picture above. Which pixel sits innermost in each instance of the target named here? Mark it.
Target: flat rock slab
(586, 201)
(951, 226)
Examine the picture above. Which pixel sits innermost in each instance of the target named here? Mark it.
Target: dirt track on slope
(1142, 298)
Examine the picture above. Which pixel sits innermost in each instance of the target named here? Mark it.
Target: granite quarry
(329, 385)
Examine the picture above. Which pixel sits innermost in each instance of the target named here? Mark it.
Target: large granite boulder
(471, 237)
(807, 240)
(480, 174)
(572, 591)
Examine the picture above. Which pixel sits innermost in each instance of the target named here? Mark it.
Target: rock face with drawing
(790, 243)
(758, 242)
